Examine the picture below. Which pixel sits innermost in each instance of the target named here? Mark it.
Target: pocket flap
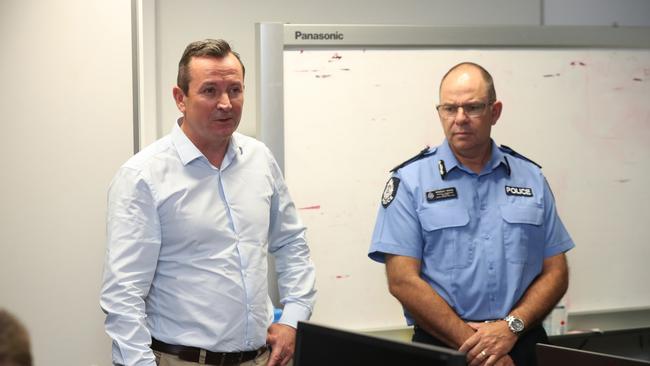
(443, 217)
(514, 214)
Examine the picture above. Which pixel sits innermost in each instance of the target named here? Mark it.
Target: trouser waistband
(194, 354)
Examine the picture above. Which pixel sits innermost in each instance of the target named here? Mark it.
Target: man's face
(467, 131)
(213, 104)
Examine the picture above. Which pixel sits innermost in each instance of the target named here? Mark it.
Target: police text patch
(390, 191)
(441, 194)
(519, 191)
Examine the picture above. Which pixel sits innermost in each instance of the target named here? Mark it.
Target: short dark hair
(206, 48)
(489, 82)
(14, 341)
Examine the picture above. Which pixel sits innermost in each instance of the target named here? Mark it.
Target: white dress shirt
(186, 261)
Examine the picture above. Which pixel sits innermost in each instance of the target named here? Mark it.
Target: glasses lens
(474, 109)
(471, 109)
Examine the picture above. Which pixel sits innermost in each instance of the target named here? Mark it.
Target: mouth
(222, 119)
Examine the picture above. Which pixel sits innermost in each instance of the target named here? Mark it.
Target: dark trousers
(523, 353)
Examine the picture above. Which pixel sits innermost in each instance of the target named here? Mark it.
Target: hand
(491, 342)
(282, 339)
(505, 361)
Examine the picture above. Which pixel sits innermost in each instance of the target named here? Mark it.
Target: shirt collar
(234, 149)
(188, 152)
(497, 157)
(447, 156)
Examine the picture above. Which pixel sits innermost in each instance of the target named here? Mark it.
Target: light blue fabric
(187, 250)
(481, 249)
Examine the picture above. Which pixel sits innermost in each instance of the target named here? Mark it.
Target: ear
(497, 107)
(179, 98)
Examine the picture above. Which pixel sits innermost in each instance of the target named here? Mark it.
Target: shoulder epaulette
(510, 151)
(422, 154)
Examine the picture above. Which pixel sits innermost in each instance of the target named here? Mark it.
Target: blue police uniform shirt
(481, 238)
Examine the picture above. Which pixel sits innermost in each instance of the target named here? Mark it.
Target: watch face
(516, 324)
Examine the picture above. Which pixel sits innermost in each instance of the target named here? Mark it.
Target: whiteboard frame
(272, 39)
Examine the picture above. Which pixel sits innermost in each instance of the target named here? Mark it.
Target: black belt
(193, 354)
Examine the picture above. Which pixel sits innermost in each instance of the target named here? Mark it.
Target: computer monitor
(548, 355)
(317, 345)
(631, 343)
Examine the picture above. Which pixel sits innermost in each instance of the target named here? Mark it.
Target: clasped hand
(489, 345)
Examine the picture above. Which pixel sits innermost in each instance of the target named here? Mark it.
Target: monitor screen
(548, 355)
(631, 343)
(318, 345)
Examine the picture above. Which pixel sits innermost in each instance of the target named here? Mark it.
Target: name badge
(519, 191)
(442, 194)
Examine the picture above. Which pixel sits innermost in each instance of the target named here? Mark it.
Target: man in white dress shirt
(191, 220)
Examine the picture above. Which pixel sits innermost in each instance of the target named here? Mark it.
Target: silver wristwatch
(515, 324)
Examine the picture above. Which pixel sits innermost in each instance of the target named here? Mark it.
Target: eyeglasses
(470, 109)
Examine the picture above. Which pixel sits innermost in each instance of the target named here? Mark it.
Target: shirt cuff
(293, 313)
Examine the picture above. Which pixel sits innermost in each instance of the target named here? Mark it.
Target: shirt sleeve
(397, 228)
(556, 237)
(133, 245)
(295, 270)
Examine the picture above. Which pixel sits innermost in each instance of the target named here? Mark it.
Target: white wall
(66, 127)
(597, 12)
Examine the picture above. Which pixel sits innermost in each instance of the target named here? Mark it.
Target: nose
(223, 103)
(461, 116)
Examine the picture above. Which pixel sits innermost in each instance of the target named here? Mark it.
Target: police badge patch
(519, 191)
(389, 192)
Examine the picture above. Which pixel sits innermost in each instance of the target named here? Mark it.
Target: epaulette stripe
(420, 155)
(512, 152)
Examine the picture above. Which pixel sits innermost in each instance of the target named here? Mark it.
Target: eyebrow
(214, 83)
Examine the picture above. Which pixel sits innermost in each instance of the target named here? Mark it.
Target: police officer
(473, 245)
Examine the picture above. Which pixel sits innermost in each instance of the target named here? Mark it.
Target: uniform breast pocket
(442, 229)
(522, 229)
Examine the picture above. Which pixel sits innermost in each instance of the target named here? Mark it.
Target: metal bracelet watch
(515, 324)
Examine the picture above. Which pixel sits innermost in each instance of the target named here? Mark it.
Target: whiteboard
(353, 113)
